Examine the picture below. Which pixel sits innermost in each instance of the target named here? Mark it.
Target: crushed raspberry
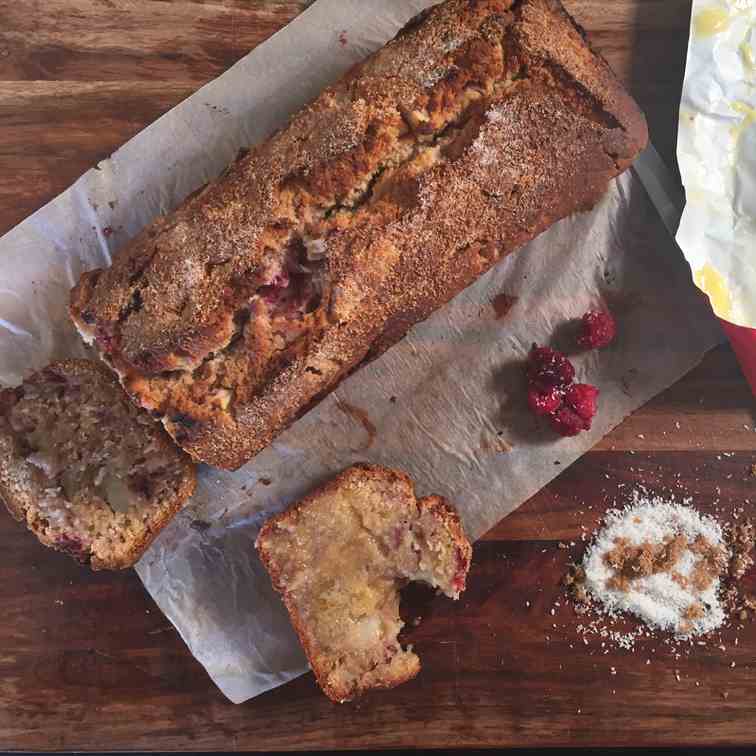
(578, 410)
(582, 398)
(70, 545)
(458, 583)
(105, 339)
(566, 422)
(548, 368)
(598, 330)
(280, 280)
(398, 536)
(544, 402)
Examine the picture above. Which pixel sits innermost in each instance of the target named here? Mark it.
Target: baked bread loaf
(479, 126)
(339, 557)
(88, 472)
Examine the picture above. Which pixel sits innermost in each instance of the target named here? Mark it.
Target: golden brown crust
(474, 130)
(402, 490)
(21, 486)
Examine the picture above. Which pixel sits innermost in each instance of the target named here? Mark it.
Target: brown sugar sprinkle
(653, 537)
(632, 562)
(681, 580)
(741, 538)
(726, 561)
(694, 611)
(712, 565)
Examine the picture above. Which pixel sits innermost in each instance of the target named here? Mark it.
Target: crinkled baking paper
(446, 404)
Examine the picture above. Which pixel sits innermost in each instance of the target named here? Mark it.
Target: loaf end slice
(88, 472)
(339, 558)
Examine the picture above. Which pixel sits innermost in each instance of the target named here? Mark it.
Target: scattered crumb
(495, 444)
(504, 446)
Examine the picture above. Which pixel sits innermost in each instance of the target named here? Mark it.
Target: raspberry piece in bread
(339, 558)
(88, 472)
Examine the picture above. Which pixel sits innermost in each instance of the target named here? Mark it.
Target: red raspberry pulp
(544, 402)
(548, 368)
(582, 398)
(566, 422)
(598, 330)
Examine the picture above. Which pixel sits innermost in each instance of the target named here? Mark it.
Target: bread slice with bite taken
(339, 558)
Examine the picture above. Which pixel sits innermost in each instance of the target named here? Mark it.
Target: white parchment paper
(716, 151)
(447, 404)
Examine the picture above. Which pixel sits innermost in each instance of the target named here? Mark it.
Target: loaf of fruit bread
(339, 558)
(88, 472)
(479, 126)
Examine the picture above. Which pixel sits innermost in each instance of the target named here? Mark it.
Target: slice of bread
(89, 473)
(339, 558)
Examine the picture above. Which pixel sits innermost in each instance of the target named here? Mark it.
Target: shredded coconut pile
(662, 562)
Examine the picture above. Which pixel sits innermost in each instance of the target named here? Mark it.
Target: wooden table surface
(87, 661)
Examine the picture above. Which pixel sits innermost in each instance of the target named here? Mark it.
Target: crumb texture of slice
(339, 558)
(89, 473)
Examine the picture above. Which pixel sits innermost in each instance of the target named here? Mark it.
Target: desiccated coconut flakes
(662, 562)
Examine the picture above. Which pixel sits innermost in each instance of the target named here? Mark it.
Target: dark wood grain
(87, 661)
